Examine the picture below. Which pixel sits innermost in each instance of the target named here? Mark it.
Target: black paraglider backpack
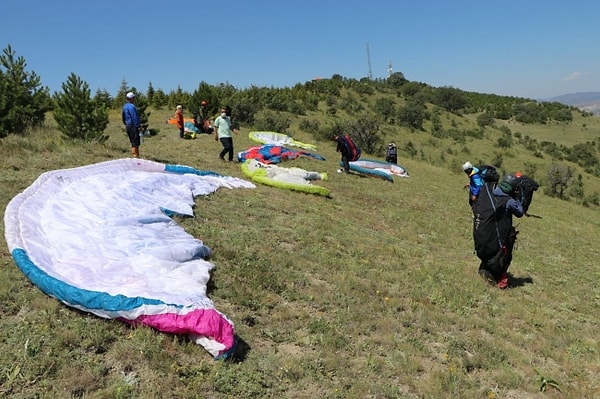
(489, 174)
(491, 229)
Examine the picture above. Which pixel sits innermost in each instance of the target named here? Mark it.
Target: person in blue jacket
(475, 181)
(131, 120)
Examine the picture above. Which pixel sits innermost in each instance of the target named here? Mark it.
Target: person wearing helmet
(493, 231)
(475, 181)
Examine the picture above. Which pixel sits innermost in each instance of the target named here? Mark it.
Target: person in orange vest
(179, 120)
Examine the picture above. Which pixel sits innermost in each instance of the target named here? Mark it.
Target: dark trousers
(499, 263)
(134, 135)
(227, 143)
(346, 163)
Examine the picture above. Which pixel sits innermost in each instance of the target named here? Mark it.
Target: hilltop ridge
(587, 101)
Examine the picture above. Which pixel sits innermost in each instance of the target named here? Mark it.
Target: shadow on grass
(241, 351)
(242, 347)
(514, 282)
(533, 216)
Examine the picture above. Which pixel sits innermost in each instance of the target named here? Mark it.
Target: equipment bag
(353, 150)
(491, 229)
(489, 174)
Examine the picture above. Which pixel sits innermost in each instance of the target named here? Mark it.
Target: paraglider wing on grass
(372, 167)
(288, 178)
(274, 154)
(100, 238)
(278, 139)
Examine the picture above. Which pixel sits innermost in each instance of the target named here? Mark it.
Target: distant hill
(588, 101)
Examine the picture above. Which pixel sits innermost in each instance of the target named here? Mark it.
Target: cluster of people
(494, 203)
(222, 128)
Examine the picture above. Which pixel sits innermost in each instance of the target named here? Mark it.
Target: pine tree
(77, 114)
(23, 101)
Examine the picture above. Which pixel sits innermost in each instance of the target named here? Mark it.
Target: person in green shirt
(223, 130)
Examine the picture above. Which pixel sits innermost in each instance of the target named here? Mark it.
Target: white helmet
(467, 165)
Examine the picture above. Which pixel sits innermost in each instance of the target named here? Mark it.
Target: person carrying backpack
(391, 155)
(527, 187)
(343, 149)
(349, 151)
(493, 232)
(475, 181)
(201, 119)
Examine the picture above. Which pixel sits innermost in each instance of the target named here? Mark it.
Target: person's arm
(216, 129)
(234, 128)
(135, 117)
(515, 207)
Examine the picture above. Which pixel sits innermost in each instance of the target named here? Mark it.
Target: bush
(271, 121)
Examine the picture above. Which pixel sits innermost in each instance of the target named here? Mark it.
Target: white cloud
(576, 76)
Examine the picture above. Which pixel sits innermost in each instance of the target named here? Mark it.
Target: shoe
(221, 158)
(488, 276)
(340, 171)
(503, 281)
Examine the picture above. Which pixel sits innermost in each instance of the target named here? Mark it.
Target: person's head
(130, 96)
(179, 108)
(467, 167)
(509, 185)
(203, 103)
(518, 175)
(391, 145)
(223, 111)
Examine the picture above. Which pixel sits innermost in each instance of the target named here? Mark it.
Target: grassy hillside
(372, 293)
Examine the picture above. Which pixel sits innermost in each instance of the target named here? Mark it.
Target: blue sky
(526, 48)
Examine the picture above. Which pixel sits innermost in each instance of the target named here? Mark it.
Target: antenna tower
(389, 69)
(369, 61)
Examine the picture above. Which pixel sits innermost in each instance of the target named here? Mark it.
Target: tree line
(25, 102)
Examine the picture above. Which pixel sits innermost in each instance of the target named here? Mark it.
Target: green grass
(372, 293)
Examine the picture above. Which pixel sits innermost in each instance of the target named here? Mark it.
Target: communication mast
(389, 69)
(369, 61)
